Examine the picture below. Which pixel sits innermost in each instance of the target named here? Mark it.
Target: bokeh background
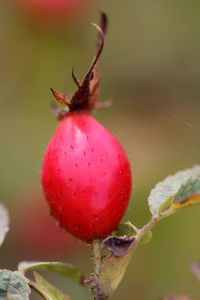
(151, 69)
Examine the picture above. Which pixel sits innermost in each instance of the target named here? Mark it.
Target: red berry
(86, 175)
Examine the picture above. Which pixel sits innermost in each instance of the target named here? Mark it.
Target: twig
(96, 244)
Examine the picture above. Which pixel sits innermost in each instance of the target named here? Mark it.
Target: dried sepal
(103, 25)
(77, 82)
(95, 81)
(87, 93)
(61, 98)
(119, 246)
(84, 96)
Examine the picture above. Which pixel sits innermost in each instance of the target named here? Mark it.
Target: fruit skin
(86, 177)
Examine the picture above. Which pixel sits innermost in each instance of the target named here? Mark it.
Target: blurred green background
(151, 69)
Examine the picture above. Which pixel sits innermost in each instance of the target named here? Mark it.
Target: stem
(149, 226)
(96, 244)
(40, 291)
(133, 226)
(103, 282)
(140, 233)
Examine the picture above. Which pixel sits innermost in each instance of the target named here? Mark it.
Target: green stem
(96, 244)
(40, 291)
(150, 225)
(133, 226)
(110, 272)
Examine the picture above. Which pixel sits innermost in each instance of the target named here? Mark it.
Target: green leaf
(13, 285)
(4, 223)
(166, 205)
(162, 196)
(49, 289)
(58, 267)
(188, 194)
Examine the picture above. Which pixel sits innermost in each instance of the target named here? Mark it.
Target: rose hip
(86, 174)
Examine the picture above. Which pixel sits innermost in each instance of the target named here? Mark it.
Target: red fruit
(86, 175)
(53, 11)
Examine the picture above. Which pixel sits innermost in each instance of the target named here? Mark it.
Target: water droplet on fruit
(72, 147)
(70, 179)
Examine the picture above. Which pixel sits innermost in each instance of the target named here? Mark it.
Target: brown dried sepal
(61, 98)
(119, 246)
(87, 93)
